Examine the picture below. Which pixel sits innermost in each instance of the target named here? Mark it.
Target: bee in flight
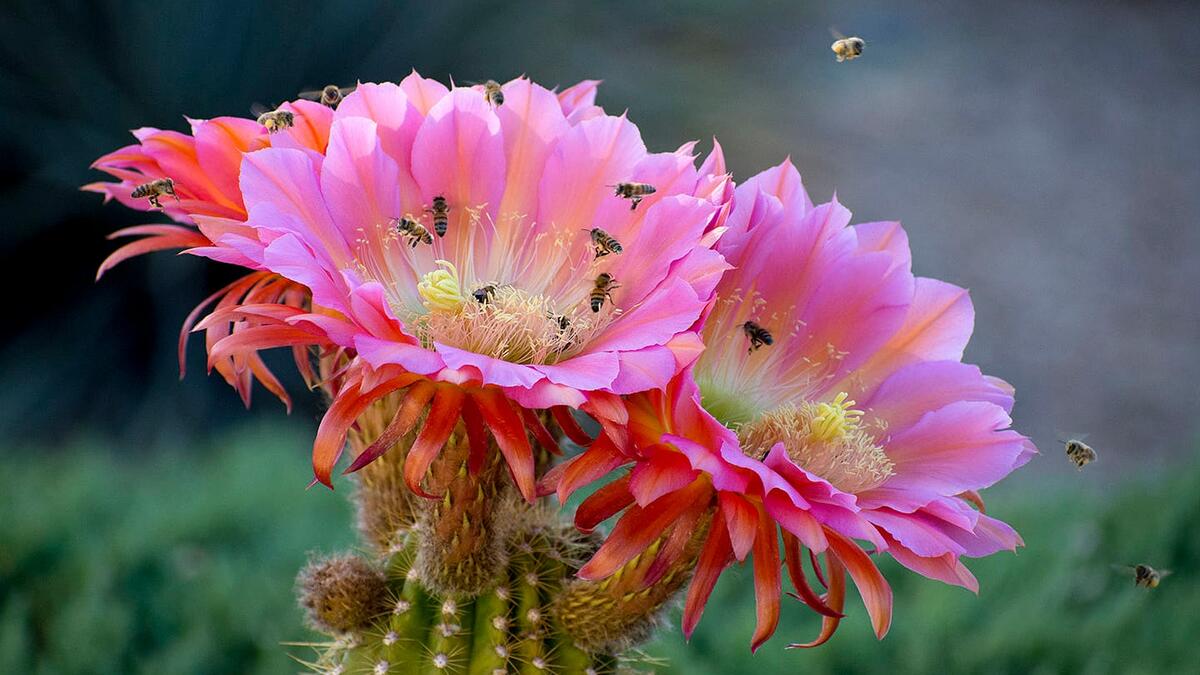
(1080, 453)
(276, 120)
(758, 335)
(441, 215)
(1144, 576)
(635, 192)
(493, 93)
(847, 48)
(331, 95)
(413, 231)
(485, 294)
(154, 190)
(604, 243)
(602, 290)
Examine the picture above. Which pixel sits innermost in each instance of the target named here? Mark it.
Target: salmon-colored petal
(407, 414)
(795, 568)
(875, 591)
(767, 582)
(443, 415)
(835, 599)
(715, 556)
(509, 433)
(603, 504)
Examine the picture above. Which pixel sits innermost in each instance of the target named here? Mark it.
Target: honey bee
(604, 243)
(1144, 576)
(276, 120)
(331, 95)
(413, 230)
(493, 93)
(848, 48)
(1080, 453)
(605, 285)
(154, 190)
(441, 215)
(485, 294)
(635, 192)
(758, 335)
(564, 324)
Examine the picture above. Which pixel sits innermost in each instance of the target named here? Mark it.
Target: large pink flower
(495, 318)
(855, 420)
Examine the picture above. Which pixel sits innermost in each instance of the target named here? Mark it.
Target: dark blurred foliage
(1041, 154)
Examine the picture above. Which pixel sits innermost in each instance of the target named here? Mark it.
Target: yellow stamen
(826, 439)
(440, 291)
(834, 420)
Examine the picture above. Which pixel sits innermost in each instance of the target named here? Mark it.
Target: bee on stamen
(564, 324)
(634, 192)
(441, 215)
(604, 243)
(758, 335)
(413, 231)
(331, 95)
(602, 290)
(277, 120)
(154, 190)
(485, 294)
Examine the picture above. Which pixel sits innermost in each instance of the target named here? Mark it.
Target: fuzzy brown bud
(341, 594)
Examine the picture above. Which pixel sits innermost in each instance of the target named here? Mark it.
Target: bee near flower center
(825, 439)
(501, 320)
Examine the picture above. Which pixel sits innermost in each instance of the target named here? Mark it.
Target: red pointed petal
(237, 288)
(596, 461)
(835, 600)
(603, 504)
(875, 591)
(349, 403)
(714, 558)
(816, 567)
(261, 337)
(540, 432)
(509, 433)
(443, 415)
(149, 245)
(477, 436)
(795, 568)
(572, 430)
(767, 582)
(742, 520)
(407, 414)
(638, 528)
(672, 549)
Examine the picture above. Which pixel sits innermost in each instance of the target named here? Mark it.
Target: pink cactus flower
(841, 413)
(501, 313)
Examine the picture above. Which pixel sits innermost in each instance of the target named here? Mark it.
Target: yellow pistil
(440, 291)
(825, 439)
(834, 420)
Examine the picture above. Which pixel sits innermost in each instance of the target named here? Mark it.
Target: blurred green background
(1041, 154)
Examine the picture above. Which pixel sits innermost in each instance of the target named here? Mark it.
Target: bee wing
(1124, 569)
(1163, 574)
(837, 34)
(313, 95)
(346, 91)
(258, 110)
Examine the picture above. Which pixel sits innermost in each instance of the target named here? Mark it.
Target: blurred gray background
(1043, 155)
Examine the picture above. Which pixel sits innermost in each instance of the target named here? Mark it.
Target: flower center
(825, 439)
(501, 320)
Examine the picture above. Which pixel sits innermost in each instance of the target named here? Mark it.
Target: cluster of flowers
(760, 371)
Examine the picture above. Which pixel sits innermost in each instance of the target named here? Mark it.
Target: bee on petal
(604, 243)
(634, 192)
(493, 93)
(413, 231)
(441, 215)
(602, 290)
(154, 190)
